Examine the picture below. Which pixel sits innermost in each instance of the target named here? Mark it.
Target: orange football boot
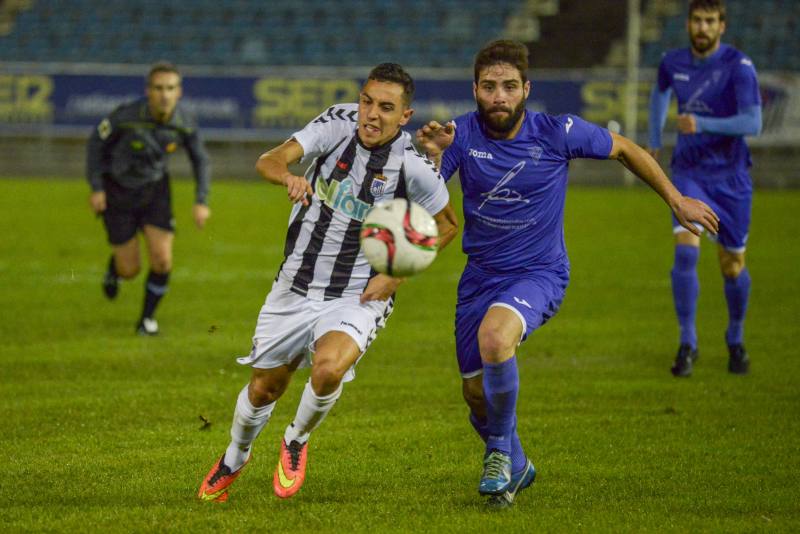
(215, 486)
(291, 470)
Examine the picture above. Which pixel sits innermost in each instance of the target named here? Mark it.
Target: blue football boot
(519, 481)
(496, 473)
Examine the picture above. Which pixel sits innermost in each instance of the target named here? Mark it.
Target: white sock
(247, 423)
(310, 413)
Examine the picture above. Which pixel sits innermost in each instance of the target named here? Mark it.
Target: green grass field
(100, 430)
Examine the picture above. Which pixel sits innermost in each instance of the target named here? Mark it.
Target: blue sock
(500, 387)
(518, 458)
(685, 288)
(737, 290)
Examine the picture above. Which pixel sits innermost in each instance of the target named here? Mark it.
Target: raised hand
(298, 189)
(435, 138)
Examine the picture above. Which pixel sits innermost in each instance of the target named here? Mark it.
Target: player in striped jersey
(326, 301)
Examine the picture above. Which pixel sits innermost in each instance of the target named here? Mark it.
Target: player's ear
(722, 27)
(406, 116)
(526, 88)
(475, 90)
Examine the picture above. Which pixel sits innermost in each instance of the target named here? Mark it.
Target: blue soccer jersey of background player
(710, 166)
(722, 85)
(514, 192)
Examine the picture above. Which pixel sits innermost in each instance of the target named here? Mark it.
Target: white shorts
(289, 325)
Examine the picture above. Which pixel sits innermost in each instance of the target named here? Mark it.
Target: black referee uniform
(127, 158)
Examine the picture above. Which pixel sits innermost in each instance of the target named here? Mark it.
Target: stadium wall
(47, 112)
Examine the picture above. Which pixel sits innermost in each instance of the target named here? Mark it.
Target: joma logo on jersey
(339, 196)
(680, 76)
(480, 154)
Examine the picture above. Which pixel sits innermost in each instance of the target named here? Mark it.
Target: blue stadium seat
(333, 32)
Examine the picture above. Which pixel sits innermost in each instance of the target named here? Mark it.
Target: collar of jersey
(379, 147)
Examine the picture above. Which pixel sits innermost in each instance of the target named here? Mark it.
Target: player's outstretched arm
(274, 167)
(687, 210)
(447, 224)
(434, 138)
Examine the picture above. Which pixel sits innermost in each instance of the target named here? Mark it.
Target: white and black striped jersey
(323, 258)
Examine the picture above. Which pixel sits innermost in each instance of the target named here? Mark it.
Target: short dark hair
(394, 73)
(503, 51)
(161, 66)
(708, 5)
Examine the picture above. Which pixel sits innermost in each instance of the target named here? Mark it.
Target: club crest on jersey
(536, 154)
(339, 196)
(377, 185)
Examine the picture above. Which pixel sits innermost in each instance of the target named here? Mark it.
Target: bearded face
(705, 30)
(501, 118)
(500, 94)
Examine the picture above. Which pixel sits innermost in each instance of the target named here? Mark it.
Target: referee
(127, 170)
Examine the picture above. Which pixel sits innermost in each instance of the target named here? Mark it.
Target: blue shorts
(534, 297)
(730, 198)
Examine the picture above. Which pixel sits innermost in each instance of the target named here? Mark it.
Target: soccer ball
(399, 237)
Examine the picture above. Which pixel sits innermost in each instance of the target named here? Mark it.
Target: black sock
(155, 287)
(112, 267)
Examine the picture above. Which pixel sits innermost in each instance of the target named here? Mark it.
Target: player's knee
(263, 392)
(494, 344)
(127, 270)
(325, 377)
(730, 263)
(161, 264)
(732, 269)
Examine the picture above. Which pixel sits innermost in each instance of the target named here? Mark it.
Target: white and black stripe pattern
(323, 258)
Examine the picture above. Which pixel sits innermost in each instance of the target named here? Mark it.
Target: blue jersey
(722, 85)
(514, 189)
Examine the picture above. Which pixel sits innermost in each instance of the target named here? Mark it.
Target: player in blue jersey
(513, 169)
(718, 104)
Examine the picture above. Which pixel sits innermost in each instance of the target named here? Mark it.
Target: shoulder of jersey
(414, 156)
(129, 109)
(676, 54)
(466, 120)
(186, 119)
(545, 121)
(348, 113)
(734, 55)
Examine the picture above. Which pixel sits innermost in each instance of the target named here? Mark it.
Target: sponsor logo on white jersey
(480, 154)
(340, 197)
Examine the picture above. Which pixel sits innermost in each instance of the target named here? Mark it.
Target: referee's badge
(378, 184)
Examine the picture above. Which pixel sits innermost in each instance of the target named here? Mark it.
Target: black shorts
(128, 210)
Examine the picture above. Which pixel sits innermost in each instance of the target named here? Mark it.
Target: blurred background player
(719, 103)
(513, 169)
(326, 302)
(127, 170)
